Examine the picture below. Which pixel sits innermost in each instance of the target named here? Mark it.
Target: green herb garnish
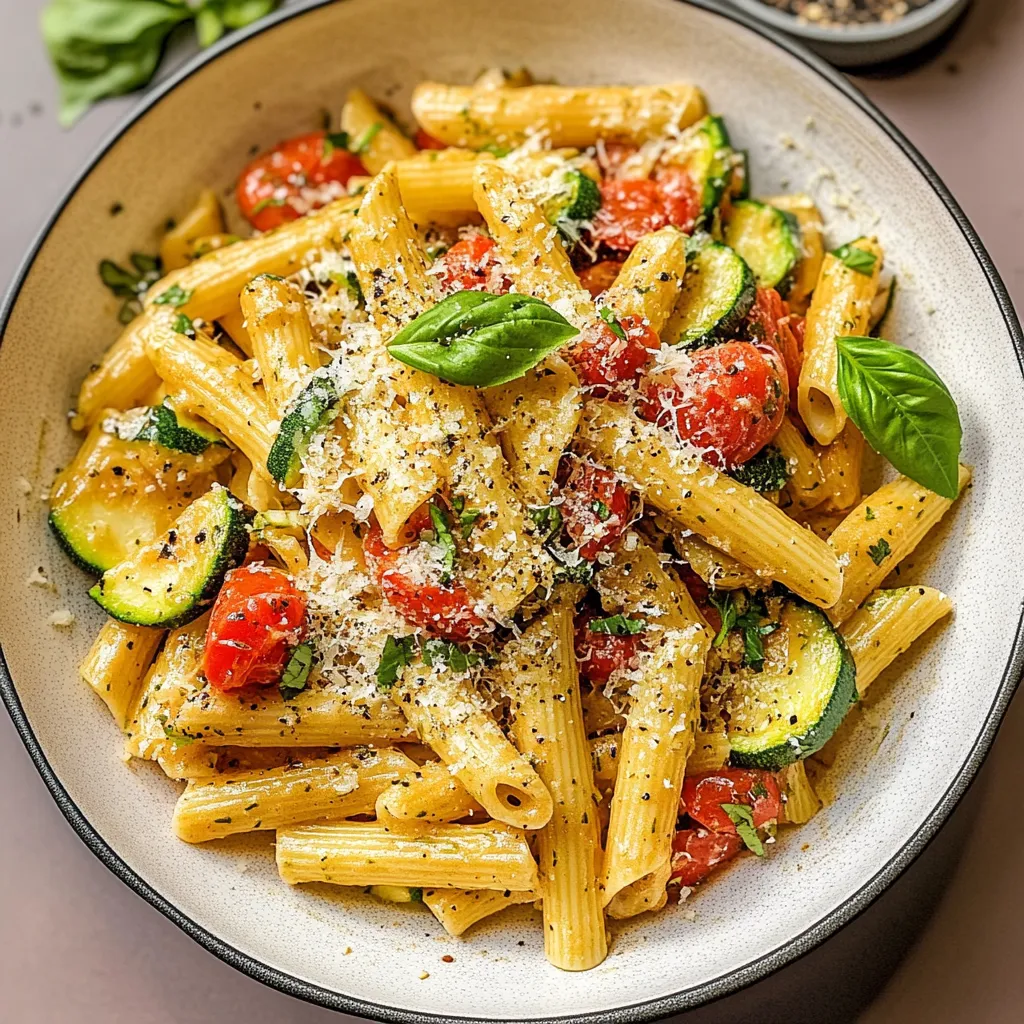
(617, 625)
(398, 652)
(879, 552)
(174, 296)
(743, 818)
(860, 260)
(612, 321)
(444, 654)
(296, 671)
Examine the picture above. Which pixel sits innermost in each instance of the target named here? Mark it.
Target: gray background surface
(78, 946)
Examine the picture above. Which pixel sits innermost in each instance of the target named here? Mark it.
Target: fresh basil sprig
(105, 48)
(296, 671)
(903, 409)
(853, 258)
(742, 817)
(481, 340)
(617, 625)
(398, 652)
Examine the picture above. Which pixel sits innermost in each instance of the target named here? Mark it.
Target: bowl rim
(850, 35)
(644, 1010)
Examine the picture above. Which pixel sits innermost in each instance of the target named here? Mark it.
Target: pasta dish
(490, 523)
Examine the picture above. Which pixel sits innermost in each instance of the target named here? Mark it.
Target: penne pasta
(806, 485)
(458, 910)
(205, 218)
(374, 135)
(812, 247)
(648, 283)
(117, 663)
(426, 794)
(841, 463)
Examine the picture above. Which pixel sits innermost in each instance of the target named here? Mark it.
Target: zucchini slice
(717, 293)
(313, 409)
(171, 580)
(792, 707)
(170, 428)
(767, 238)
(708, 157)
(117, 494)
(739, 178)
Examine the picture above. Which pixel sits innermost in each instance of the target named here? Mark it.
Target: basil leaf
(123, 283)
(209, 26)
(443, 533)
(148, 266)
(481, 340)
(879, 552)
(743, 818)
(610, 319)
(548, 520)
(183, 325)
(398, 652)
(617, 625)
(239, 13)
(443, 654)
(174, 296)
(601, 510)
(903, 409)
(333, 141)
(727, 610)
(415, 895)
(296, 671)
(467, 520)
(860, 260)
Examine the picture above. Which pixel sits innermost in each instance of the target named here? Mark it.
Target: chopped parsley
(296, 671)
(444, 654)
(415, 895)
(130, 285)
(174, 296)
(265, 202)
(880, 552)
(548, 520)
(617, 625)
(748, 622)
(743, 818)
(177, 738)
(869, 513)
(601, 510)
(333, 141)
(612, 321)
(183, 325)
(443, 536)
(768, 470)
(398, 652)
(860, 260)
(495, 150)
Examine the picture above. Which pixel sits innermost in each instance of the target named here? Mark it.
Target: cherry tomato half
(595, 510)
(600, 654)
(258, 617)
(697, 852)
(770, 321)
(601, 358)
(630, 209)
(729, 402)
(680, 197)
(424, 140)
(444, 609)
(703, 796)
(600, 276)
(471, 265)
(296, 176)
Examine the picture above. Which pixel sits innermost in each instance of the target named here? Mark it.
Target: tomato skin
(446, 611)
(630, 209)
(680, 197)
(598, 655)
(424, 140)
(697, 852)
(585, 490)
(471, 264)
(602, 359)
(258, 617)
(729, 402)
(600, 276)
(770, 321)
(703, 796)
(611, 156)
(298, 173)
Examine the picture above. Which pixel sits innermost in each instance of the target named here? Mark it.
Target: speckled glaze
(905, 763)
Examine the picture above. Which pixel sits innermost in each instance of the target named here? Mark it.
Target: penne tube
(437, 186)
(278, 326)
(648, 283)
(233, 324)
(341, 785)
(604, 756)
(210, 382)
(492, 856)
(123, 379)
(426, 794)
(376, 138)
(812, 247)
(599, 713)
(117, 663)
(448, 714)
(710, 751)
(879, 533)
(730, 516)
(457, 910)
(660, 729)
(566, 116)
(539, 672)
(313, 718)
(888, 624)
(205, 218)
(841, 464)
(806, 485)
(714, 567)
(799, 801)
(841, 305)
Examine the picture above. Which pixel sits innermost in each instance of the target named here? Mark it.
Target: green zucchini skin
(172, 580)
(313, 407)
(802, 741)
(85, 558)
(768, 239)
(710, 164)
(718, 292)
(164, 426)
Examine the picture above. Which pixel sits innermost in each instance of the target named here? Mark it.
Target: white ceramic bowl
(859, 45)
(806, 128)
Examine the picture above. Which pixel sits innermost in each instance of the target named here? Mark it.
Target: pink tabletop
(77, 946)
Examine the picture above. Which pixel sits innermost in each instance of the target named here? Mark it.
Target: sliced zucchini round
(312, 411)
(739, 178)
(792, 707)
(708, 158)
(717, 293)
(117, 494)
(171, 580)
(170, 428)
(767, 238)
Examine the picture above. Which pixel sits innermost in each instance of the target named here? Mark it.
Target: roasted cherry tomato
(424, 140)
(602, 359)
(697, 852)
(680, 197)
(630, 209)
(600, 276)
(258, 617)
(296, 176)
(471, 265)
(612, 155)
(770, 321)
(595, 510)
(600, 654)
(729, 402)
(443, 609)
(703, 796)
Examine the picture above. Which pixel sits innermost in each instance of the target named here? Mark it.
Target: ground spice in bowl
(846, 12)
